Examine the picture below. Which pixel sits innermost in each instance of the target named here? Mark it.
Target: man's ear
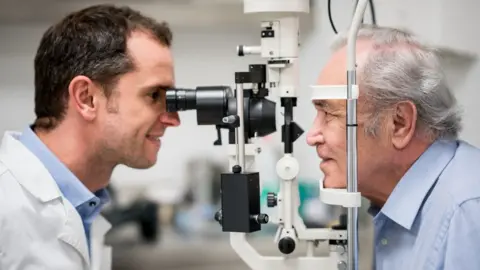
(404, 119)
(83, 94)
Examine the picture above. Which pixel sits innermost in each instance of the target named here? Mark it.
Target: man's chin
(329, 182)
(142, 164)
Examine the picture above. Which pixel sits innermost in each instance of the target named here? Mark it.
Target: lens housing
(213, 103)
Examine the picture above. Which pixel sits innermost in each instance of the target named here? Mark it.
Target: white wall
(215, 63)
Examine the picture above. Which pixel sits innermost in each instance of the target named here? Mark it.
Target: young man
(100, 80)
(422, 181)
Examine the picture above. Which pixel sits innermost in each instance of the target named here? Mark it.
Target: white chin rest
(340, 196)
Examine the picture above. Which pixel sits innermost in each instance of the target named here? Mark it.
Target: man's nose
(171, 119)
(314, 135)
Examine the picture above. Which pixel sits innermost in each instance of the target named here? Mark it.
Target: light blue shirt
(87, 203)
(432, 218)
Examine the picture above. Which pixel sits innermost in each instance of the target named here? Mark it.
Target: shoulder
(25, 222)
(456, 195)
(20, 209)
(457, 188)
(462, 239)
(465, 222)
(460, 181)
(457, 181)
(9, 188)
(13, 198)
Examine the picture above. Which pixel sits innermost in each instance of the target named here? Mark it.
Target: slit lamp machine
(247, 114)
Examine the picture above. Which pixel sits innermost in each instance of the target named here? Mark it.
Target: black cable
(330, 16)
(372, 13)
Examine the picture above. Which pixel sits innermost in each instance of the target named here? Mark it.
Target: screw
(341, 265)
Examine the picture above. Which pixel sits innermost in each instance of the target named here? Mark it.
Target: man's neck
(383, 184)
(75, 152)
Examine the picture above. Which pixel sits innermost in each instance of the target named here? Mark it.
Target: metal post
(240, 131)
(352, 227)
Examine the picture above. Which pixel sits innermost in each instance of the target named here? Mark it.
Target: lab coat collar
(35, 178)
(73, 234)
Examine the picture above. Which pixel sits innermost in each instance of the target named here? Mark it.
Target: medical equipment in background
(142, 212)
(248, 114)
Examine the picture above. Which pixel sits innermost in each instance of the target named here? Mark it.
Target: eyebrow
(158, 87)
(321, 103)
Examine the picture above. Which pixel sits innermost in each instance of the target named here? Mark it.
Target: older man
(422, 181)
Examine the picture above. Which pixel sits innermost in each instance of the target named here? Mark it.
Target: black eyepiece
(214, 103)
(181, 99)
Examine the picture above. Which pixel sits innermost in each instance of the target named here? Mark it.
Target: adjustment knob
(271, 199)
(240, 51)
(218, 216)
(286, 245)
(236, 169)
(261, 218)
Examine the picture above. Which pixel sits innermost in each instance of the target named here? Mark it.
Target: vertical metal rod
(352, 227)
(240, 131)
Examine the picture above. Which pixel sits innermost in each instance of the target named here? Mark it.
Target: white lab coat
(39, 228)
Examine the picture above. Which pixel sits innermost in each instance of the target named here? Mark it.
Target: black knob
(261, 218)
(218, 216)
(240, 51)
(271, 199)
(237, 169)
(286, 245)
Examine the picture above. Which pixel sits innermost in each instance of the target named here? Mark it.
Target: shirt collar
(70, 186)
(409, 194)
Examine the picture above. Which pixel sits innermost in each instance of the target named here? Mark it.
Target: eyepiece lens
(180, 100)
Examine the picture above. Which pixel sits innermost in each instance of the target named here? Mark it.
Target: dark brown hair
(90, 42)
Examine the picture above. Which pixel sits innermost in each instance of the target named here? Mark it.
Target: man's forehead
(147, 52)
(335, 72)
(153, 61)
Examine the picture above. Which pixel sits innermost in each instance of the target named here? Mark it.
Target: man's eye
(329, 116)
(155, 95)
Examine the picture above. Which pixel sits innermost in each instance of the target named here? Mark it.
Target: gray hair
(401, 68)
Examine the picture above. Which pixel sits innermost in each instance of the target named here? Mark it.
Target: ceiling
(176, 12)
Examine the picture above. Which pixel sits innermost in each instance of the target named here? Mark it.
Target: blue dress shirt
(432, 218)
(88, 204)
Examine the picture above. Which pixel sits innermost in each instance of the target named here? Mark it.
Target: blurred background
(163, 216)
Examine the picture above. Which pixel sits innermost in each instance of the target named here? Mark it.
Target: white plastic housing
(279, 43)
(256, 261)
(251, 150)
(284, 43)
(256, 6)
(323, 92)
